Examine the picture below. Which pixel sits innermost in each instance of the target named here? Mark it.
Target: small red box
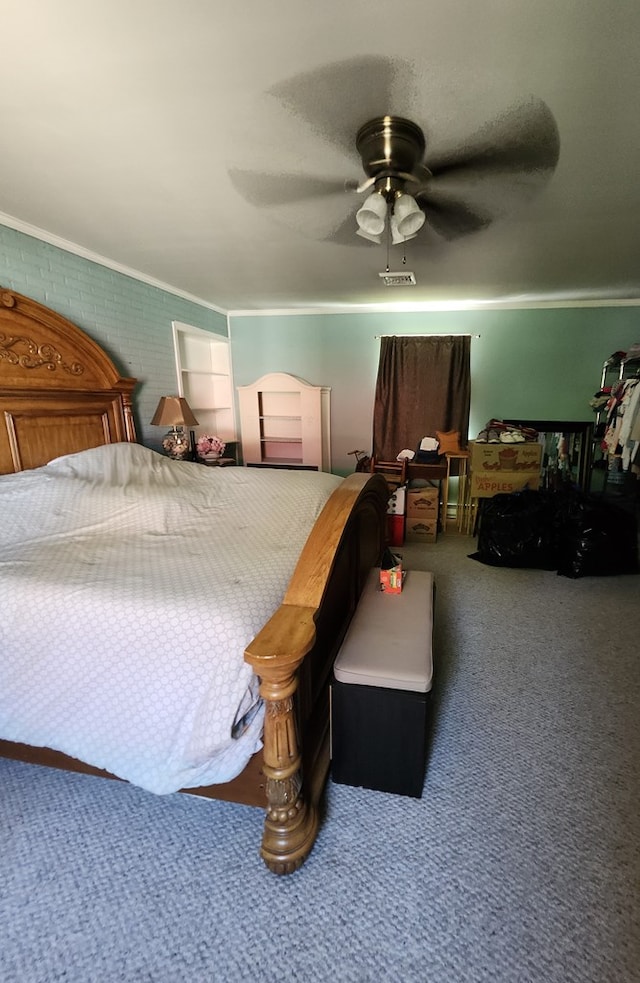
(390, 572)
(391, 580)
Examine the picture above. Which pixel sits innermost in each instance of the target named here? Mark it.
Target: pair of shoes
(482, 437)
(512, 437)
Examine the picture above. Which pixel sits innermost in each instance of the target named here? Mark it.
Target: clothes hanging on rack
(630, 423)
(622, 429)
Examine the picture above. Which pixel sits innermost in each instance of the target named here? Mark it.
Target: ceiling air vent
(398, 279)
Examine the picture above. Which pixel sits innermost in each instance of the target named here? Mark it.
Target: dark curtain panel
(423, 385)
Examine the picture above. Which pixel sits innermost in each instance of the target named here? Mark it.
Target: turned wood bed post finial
(127, 409)
(291, 822)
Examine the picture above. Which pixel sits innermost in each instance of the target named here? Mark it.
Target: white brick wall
(129, 318)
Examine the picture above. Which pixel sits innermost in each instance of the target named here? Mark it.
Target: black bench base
(379, 738)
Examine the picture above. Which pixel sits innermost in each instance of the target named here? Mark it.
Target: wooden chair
(394, 471)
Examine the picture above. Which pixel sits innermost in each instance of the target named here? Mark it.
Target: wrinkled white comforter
(130, 586)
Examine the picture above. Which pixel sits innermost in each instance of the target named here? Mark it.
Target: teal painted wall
(130, 319)
(540, 363)
(534, 364)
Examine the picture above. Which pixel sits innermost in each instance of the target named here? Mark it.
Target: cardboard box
(488, 484)
(398, 501)
(423, 502)
(421, 529)
(515, 458)
(428, 513)
(395, 530)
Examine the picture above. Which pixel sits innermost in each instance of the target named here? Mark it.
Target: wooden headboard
(59, 391)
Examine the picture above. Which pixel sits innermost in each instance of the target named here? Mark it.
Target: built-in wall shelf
(204, 378)
(284, 422)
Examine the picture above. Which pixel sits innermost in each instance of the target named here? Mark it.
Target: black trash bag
(597, 538)
(564, 529)
(518, 530)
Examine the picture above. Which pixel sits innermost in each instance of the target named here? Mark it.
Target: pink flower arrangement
(208, 446)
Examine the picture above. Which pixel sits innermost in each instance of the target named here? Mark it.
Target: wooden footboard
(294, 653)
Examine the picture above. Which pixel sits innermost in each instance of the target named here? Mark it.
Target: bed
(67, 425)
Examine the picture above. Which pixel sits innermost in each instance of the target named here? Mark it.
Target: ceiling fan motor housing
(390, 147)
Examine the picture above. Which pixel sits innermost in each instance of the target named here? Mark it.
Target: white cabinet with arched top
(284, 423)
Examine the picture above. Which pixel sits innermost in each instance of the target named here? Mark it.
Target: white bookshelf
(284, 422)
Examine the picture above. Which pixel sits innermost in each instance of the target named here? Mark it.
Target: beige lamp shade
(173, 411)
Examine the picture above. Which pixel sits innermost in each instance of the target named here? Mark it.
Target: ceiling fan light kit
(406, 218)
(369, 236)
(371, 217)
(397, 237)
(408, 214)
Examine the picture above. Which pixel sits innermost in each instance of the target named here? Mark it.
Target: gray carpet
(520, 863)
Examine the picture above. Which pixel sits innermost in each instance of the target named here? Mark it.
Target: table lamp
(174, 412)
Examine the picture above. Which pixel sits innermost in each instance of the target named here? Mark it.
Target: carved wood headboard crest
(59, 390)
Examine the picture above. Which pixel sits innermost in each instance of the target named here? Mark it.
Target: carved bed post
(291, 822)
(127, 408)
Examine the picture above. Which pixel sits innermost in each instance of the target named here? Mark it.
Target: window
(423, 385)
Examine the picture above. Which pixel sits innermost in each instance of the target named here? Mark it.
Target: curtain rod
(447, 335)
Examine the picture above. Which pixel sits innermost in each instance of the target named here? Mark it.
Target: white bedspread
(130, 586)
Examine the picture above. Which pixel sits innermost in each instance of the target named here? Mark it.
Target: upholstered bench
(380, 694)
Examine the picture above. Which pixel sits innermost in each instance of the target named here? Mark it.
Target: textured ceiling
(207, 144)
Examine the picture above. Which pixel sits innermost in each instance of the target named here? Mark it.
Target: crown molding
(72, 247)
(505, 304)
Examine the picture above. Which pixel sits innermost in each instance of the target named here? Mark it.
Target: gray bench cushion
(388, 643)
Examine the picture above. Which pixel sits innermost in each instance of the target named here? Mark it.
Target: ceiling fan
(410, 179)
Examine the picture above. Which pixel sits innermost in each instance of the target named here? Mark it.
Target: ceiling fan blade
(524, 138)
(345, 233)
(361, 87)
(260, 188)
(451, 218)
